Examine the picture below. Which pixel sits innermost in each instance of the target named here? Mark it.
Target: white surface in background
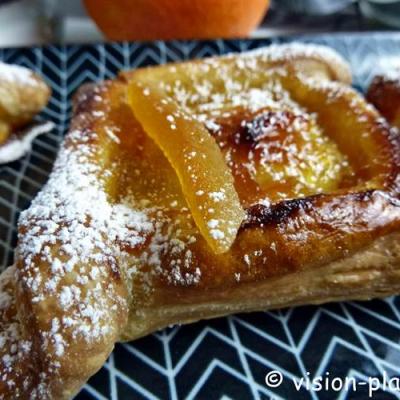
(18, 24)
(26, 23)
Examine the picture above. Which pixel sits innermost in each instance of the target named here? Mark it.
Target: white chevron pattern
(226, 358)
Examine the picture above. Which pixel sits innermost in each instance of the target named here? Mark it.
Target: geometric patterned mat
(226, 358)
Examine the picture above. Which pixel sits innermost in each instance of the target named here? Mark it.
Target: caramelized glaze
(384, 94)
(276, 155)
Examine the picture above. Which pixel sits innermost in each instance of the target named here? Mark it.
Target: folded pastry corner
(127, 235)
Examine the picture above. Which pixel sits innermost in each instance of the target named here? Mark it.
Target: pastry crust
(384, 94)
(109, 250)
(369, 273)
(22, 95)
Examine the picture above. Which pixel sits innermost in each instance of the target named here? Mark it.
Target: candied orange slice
(206, 180)
(350, 123)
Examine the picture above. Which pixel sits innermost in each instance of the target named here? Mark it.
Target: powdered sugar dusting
(73, 212)
(290, 155)
(15, 348)
(290, 51)
(72, 239)
(17, 74)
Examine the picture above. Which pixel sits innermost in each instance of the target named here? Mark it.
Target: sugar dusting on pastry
(73, 212)
(16, 349)
(291, 156)
(73, 215)
(17, 74)
(212, 90)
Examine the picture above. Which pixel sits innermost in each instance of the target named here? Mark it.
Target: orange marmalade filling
(274, 148)
(280, 154)
(205, 179)
(284, 139)
(282, 136)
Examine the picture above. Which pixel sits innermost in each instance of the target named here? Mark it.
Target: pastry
(384, 94)
(22, 95)
(147, 222)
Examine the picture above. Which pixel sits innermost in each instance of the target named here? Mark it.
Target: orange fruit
(206, 180)
(176, 19)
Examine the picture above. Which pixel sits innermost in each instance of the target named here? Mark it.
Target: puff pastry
(117, 245)
(22, 95)
(384, 94)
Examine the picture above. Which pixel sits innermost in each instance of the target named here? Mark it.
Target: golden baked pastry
(22, 95)
(132, 231)
(384, 94)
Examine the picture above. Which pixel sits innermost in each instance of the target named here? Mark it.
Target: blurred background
(29, 22)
